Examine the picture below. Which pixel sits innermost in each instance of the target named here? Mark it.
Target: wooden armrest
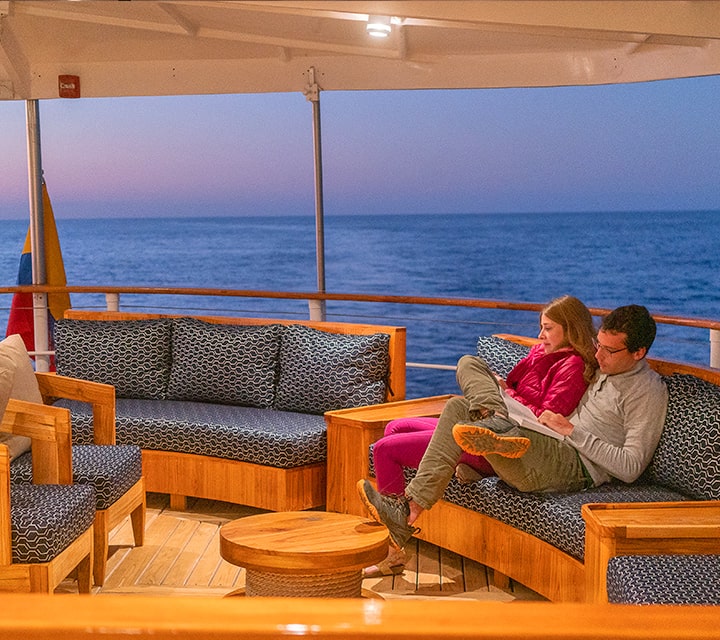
(100, 396)
(50, 432)
(523, 340)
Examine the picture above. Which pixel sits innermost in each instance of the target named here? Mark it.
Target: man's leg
(437, 466)
(435, 471)
(479, 386)
(548, 465)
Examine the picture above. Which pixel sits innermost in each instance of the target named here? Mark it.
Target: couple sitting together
(594, 389)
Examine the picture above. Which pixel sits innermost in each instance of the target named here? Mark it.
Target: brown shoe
(480, 441)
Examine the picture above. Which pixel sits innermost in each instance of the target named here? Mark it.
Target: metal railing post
(715, 348)
(317, 310)
(112, 301)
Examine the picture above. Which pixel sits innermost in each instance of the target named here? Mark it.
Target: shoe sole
(374, 513)
(480, 441)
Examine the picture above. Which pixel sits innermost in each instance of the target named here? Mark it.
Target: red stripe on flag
(21, 318)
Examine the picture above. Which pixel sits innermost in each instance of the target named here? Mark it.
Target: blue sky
(651, 146)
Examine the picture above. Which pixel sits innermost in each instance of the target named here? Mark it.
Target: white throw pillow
(16, 368)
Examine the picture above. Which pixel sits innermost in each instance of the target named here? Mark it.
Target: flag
(21, 310)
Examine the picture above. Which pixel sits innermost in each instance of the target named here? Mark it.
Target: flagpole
(37, 234)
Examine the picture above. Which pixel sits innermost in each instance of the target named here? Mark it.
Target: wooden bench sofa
(229, 408)
(540, 540)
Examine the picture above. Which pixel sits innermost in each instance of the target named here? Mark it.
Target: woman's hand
(557, 422)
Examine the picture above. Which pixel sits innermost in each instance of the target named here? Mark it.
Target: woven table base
(346, 584)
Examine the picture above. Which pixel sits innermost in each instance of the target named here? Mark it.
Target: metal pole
(37, 234)
(312, 93)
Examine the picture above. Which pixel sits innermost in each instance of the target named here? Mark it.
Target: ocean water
(664, 260)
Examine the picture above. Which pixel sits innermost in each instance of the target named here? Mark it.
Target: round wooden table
(303, 553)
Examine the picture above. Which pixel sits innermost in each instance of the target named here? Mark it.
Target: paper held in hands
(526, 418)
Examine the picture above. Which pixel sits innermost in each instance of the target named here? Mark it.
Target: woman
(553, 376)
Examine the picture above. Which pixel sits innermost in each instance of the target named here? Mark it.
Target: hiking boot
(496, 422)
(480, 441)
(480, 413)
(392, 511)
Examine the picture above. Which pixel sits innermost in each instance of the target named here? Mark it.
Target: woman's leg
(394, 452)
(479, 463)
(405, 425)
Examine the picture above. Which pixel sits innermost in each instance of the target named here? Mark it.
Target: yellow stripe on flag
(54, 267)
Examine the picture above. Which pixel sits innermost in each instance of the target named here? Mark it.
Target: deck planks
(181, 556)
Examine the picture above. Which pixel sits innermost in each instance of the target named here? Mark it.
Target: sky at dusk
(650, 146)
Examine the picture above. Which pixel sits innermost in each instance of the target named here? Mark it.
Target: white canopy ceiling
(177, 47)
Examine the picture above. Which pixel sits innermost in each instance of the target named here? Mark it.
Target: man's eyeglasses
(607, 350)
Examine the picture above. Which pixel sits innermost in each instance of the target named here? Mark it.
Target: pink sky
(629, 147)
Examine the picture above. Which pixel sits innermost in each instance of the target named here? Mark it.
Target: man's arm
(624, 452)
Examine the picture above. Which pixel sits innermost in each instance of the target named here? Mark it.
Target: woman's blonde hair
(577, 323)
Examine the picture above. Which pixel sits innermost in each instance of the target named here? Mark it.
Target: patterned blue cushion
(229, 364)
(322, 371)
(262, 436)
(501, 355)
(110, 469)
(688, 456)
(131, 355)
(553, 517)
(664, 579)
(46, 518)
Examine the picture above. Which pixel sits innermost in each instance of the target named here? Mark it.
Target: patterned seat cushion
(322, 371)
(555, 517)
(687, 458)
(110, 469)
(272, 438)
(664, 579)
(46, 518)
(224, 363)
(131, 355)
(501, 355)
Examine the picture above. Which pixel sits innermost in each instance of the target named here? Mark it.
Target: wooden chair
(46, 528)
(96, 463)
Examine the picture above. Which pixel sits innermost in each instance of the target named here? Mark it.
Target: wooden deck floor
(181, 557)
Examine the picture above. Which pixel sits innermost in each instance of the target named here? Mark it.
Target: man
(613, 433)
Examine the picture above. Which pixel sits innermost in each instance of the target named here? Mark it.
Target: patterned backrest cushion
(131, 355)
(322, 371)
(500, 355)
(687, 458)
(224, 363)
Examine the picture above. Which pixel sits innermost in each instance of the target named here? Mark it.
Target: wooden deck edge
(254, 485)
(514, 553)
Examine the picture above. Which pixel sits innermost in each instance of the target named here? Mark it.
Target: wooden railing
(316, 302)
(33, 617)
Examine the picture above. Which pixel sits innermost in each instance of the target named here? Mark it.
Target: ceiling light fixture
(378, 26)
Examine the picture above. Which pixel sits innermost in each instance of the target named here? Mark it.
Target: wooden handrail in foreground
(190, 618)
